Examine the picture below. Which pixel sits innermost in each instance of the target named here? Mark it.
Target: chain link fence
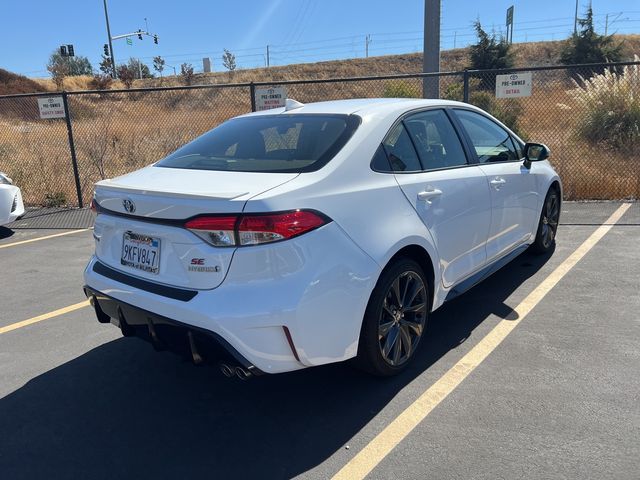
(584, 115)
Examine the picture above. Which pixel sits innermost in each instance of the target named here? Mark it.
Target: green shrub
(57, 199)
(609, 108)
(402, 89)
(454, 91)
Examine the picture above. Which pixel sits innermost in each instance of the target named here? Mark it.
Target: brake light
(241, 230)
(218, 231)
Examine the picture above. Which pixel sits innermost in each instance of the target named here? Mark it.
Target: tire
(395, 319)
(548, 224)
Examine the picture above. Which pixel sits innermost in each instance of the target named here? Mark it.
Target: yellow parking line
(46, 316)
(374, 452)
(14, 244)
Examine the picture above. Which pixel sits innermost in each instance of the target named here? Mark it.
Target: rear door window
(267, 143)
(435, 139)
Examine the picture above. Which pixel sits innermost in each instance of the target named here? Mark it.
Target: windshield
(270, 143)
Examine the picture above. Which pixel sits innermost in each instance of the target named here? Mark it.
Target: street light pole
(431, 49)
(113, 58)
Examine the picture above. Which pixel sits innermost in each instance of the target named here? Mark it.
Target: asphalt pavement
(558, 398)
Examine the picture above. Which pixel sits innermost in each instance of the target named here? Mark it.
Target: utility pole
(575, 21)
(431, 48)
(367, 41)
(113, 58)
(268, 56)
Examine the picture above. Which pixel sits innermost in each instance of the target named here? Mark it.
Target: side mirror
(535, 152)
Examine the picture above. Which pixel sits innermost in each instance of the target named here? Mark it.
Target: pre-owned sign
(51, 107)
(513, 85)
(268, 98)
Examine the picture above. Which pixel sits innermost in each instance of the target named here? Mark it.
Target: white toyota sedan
(11, 207)
(317, 233)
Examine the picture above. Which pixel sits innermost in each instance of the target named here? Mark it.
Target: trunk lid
(145, 236)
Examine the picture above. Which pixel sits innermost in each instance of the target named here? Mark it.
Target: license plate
(141, 252)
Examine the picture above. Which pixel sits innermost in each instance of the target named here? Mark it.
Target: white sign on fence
(51, 107)
(513, 85)
(268, 98)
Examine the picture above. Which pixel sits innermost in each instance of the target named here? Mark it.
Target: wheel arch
(420, 255)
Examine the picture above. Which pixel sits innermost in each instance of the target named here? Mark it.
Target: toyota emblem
(128, 205)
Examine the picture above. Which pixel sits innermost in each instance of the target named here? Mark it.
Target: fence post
(72, 148)
(252, 92)
(465, 94)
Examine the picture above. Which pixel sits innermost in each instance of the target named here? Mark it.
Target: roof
(361, 106)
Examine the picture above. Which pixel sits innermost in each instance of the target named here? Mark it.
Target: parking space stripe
(45, 316)
(374, 452)
(15, 244)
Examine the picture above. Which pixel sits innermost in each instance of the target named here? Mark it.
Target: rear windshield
(270, 143)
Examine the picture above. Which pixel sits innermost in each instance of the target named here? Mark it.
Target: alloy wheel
(550, 218)
(402, 319)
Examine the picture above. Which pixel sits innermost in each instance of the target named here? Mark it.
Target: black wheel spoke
(415, 326)
(406, 341)
(414, 308)
(395, 288)
(383, 331)
(390, 341)
(408, 280)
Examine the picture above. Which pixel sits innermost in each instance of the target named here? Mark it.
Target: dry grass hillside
(11, 83)
(531, 54)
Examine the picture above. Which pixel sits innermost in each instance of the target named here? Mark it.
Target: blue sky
(296, 30)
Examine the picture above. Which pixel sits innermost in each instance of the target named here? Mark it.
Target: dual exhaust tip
(240, 372)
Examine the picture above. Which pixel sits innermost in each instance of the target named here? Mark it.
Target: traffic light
(155, 39)
(139, 34)
(70, 50)
(63, 50)
(106, 50)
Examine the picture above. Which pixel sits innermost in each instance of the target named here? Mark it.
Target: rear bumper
(197, 344)
(282, 307)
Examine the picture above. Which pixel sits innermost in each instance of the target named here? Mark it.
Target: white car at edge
(316, 233)
(11, 206)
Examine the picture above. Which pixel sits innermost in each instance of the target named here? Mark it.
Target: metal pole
(252, 92)
(267, 56)
(113, 57)
(72, 148)
(465, 91)
(431, 49)
(139, 69)
(606, 25)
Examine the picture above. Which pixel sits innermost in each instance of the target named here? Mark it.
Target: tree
(489, 53)
(586, 46)
(106, 66)
(229, 61)
(126, 75)
(58, 71)
(186, 71)
(158, 64)
(71, 65)
(137, 67)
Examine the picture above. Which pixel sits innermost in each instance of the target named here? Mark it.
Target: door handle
(498, 182)
(429, 194)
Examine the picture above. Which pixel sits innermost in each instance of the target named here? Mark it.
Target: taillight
(255, 229)
(218, 231)
(94, 206)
